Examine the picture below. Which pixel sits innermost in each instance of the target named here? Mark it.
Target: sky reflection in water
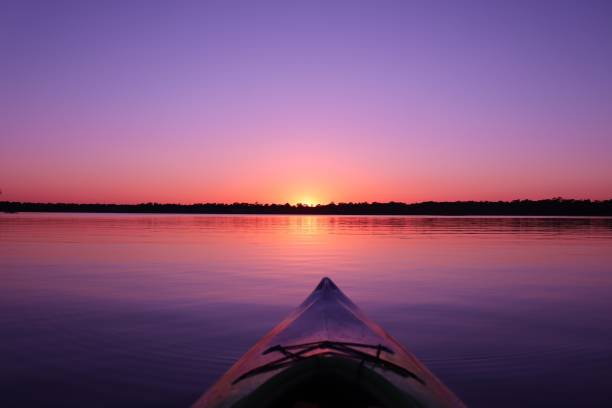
(149, 310)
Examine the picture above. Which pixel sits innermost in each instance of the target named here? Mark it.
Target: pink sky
(309, 103)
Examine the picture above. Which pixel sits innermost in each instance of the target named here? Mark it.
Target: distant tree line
(554, 206)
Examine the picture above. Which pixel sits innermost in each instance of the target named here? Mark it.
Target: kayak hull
(329, 337)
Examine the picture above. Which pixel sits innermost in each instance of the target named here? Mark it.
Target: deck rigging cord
(298, 352)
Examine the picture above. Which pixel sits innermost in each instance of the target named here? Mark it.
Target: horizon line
(548, 207)
(303, 204)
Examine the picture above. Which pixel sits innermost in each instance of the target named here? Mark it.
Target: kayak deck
(328, 353)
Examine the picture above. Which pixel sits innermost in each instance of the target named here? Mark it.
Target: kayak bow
(327, 353)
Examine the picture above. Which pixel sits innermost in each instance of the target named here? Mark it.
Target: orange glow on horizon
(308, 201)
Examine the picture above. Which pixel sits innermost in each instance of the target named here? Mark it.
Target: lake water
(149, 310)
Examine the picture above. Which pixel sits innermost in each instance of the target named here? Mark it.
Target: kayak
(327, 353)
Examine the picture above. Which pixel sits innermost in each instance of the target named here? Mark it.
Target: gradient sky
(281, 101)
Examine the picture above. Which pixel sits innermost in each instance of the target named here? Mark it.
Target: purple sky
(305, 101)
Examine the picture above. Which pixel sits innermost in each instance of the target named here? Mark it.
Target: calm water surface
(148, 310)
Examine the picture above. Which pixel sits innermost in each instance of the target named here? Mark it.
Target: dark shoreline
(550, 207)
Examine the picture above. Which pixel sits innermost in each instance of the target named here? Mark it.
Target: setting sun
(310, 202)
